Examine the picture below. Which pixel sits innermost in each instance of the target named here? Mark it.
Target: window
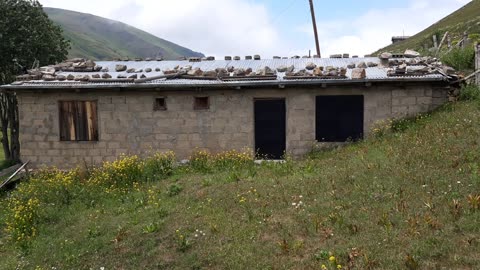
(160, 104)
(78, 121)
(339, 118)
(201, 103)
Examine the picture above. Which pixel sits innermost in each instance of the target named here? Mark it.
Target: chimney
(228, 58)
(236, 58)
(256, 57)
(248, 57)
(277, 57)
(346, 55)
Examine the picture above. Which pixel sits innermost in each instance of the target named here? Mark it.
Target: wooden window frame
(78, 120)
(157, 106)
(197, 106)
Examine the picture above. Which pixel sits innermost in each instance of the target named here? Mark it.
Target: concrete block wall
(128, 124)
(410, 102)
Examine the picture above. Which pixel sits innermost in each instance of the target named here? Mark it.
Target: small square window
(201, 103)
(160, 104)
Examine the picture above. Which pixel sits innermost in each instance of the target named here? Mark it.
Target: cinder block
(408, 101)
(119, 100)
(424, 100)
(399, 93)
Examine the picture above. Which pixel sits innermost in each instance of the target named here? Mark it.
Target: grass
(402, 200)
(465, 19)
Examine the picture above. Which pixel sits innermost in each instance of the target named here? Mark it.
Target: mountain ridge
(99, 38)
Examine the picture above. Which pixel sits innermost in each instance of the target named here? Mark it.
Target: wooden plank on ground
(9, 170)
(14, 175)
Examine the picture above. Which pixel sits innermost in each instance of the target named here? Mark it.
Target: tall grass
(408, 199)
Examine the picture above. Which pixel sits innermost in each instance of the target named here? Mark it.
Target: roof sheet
(373, 73)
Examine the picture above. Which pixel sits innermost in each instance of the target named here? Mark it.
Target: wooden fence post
(477, 62)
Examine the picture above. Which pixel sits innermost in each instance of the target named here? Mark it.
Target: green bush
(27, 204)
(470, 92)
(159, 166)
(460, 59)
(174, 190)
(474, 37)
(121, 173)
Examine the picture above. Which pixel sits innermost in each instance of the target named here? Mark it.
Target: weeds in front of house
(205, 162)
(389, 126)
(470, 92)
(117, 178)
(407, 200)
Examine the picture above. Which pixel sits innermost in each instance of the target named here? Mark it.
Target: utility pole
(315, 32)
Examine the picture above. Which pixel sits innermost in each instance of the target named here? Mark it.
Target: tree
(27, 37)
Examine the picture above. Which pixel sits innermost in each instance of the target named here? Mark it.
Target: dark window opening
(78, 121)
(201, 103)
(339, 118)
(160, 104)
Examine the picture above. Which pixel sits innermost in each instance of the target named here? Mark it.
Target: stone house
(84, 112)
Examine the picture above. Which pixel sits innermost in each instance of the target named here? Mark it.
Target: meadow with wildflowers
(408, 197)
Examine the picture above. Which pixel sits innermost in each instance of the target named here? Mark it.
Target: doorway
(270, 128)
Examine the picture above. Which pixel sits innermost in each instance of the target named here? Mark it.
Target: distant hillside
(466, 18)
(98, 38)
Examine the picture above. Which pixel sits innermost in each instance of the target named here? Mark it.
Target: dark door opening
(339, 118)
(270, 128)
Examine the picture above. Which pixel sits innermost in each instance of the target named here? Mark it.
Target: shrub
(470, 92)
(120, 173)
(174, 190)
(474, 38)
(26, 204)
(200, 161)
(159, 166)
(460, 59)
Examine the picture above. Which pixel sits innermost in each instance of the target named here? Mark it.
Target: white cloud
(374, 29)
(244, 27)
(226, 27)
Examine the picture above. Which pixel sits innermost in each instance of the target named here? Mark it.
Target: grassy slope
(465, 19)
(99, 38)
(387, 198)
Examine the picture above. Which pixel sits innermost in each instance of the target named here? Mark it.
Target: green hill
(406, 199)
(98, 38)
(466, 19)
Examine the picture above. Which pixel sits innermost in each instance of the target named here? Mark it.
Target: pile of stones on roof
(49, 73)
(312, 70)
(415, 65)
(411, 65)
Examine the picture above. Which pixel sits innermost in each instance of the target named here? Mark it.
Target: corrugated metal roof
(373, 73)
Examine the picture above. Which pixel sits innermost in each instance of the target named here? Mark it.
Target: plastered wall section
(128, 124)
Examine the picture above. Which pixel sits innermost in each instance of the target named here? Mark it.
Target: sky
(271, 27)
